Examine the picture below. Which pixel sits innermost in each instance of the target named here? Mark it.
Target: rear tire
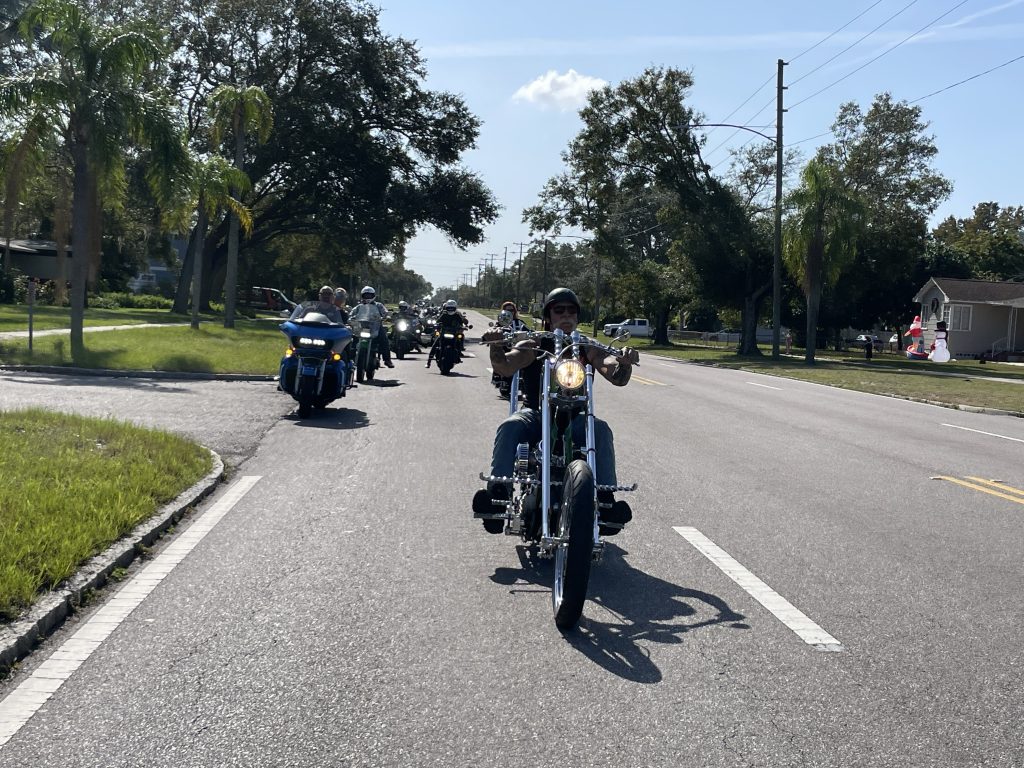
(573, 557)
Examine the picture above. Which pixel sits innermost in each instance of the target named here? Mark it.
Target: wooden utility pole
(777, 256)
(504, 264)
(519, 274)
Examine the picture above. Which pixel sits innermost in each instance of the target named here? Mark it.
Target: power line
(967, 80)
(883, 53)
(826, 39)
(854, 44)
(802, 53)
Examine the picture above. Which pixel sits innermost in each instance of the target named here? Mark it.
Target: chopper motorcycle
(553, 494)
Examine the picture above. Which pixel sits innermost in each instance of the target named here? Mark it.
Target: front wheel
(307, 394)
(573, 556)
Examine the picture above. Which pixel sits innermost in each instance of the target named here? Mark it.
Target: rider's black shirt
(532, 377)
(451, 322)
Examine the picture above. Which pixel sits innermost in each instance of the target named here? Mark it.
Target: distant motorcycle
(446, 346)
(366, 353)
(404, 336)
(312, 370)
(427, 327)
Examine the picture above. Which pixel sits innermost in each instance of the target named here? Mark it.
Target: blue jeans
(525, 427)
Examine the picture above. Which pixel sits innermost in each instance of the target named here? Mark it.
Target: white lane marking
(980, 432)
(25, 700)
(766, 386)
(784, 611)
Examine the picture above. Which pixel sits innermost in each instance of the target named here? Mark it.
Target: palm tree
(244, 110)
(213, 180)
(820, 238)
(94, 80)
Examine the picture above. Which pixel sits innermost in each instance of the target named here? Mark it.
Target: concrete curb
(18, 639)
(115, 374)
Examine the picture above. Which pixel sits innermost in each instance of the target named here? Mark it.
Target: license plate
(309, 370)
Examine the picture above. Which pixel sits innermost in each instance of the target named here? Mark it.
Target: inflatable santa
(916, 339)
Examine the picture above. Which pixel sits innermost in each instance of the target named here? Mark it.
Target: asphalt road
(347, 611)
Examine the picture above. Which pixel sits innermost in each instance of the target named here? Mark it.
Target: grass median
(70, 486)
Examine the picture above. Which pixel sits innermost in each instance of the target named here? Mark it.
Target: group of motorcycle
(320, 363)
(552, 500)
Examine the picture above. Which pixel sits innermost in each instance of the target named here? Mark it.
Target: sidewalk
(89, 328)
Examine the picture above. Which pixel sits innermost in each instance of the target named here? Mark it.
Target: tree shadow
(340, 418)
(665, 613)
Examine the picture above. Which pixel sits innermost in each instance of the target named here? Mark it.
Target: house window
(957, 317)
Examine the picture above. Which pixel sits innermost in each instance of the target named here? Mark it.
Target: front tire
(573, 557)
(307, 394)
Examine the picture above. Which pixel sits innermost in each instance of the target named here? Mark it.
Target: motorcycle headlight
(449, 336)
(402, 325)
(305, 341)
(570, 375)
(364, 334)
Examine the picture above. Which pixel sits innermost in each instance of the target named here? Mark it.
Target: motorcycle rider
(561, 310)
(517, 324)
(372, 311)
(341, 302)
(324, 305)
(450, 320)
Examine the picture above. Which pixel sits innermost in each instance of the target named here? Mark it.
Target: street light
(777, 249)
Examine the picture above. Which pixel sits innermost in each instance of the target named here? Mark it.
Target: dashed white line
(784, 611)
(766, 386)
(980, 432)
(34, 692)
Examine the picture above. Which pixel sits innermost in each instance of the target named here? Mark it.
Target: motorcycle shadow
(382, 383)
(665, 613)
(332, 418)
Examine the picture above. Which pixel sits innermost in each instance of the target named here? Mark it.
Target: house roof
(974, 291)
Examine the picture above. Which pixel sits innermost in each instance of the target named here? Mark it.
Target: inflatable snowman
(940, 350)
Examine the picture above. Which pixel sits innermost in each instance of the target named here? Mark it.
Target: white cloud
(563, 92)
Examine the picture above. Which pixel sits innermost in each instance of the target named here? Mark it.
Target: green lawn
(14, 317)
(253, 347)
(70, 486)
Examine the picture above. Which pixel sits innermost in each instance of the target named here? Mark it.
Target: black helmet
(559, 295)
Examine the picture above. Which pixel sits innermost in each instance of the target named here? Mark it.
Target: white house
(982, 316)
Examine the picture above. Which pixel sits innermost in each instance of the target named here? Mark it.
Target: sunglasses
(563, 309)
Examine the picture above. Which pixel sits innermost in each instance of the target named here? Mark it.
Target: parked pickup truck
(638, 327)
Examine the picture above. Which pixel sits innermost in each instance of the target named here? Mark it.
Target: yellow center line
(983, 489)
(642, 380)
(998, 485)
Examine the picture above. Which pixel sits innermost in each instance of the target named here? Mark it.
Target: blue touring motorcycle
(313, 370)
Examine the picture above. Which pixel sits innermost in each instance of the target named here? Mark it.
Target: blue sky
(524, 69)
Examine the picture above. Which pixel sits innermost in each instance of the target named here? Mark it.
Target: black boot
(612, 518)
(482, 506)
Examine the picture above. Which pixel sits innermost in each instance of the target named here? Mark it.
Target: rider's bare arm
(616, 369)
(507, 363)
